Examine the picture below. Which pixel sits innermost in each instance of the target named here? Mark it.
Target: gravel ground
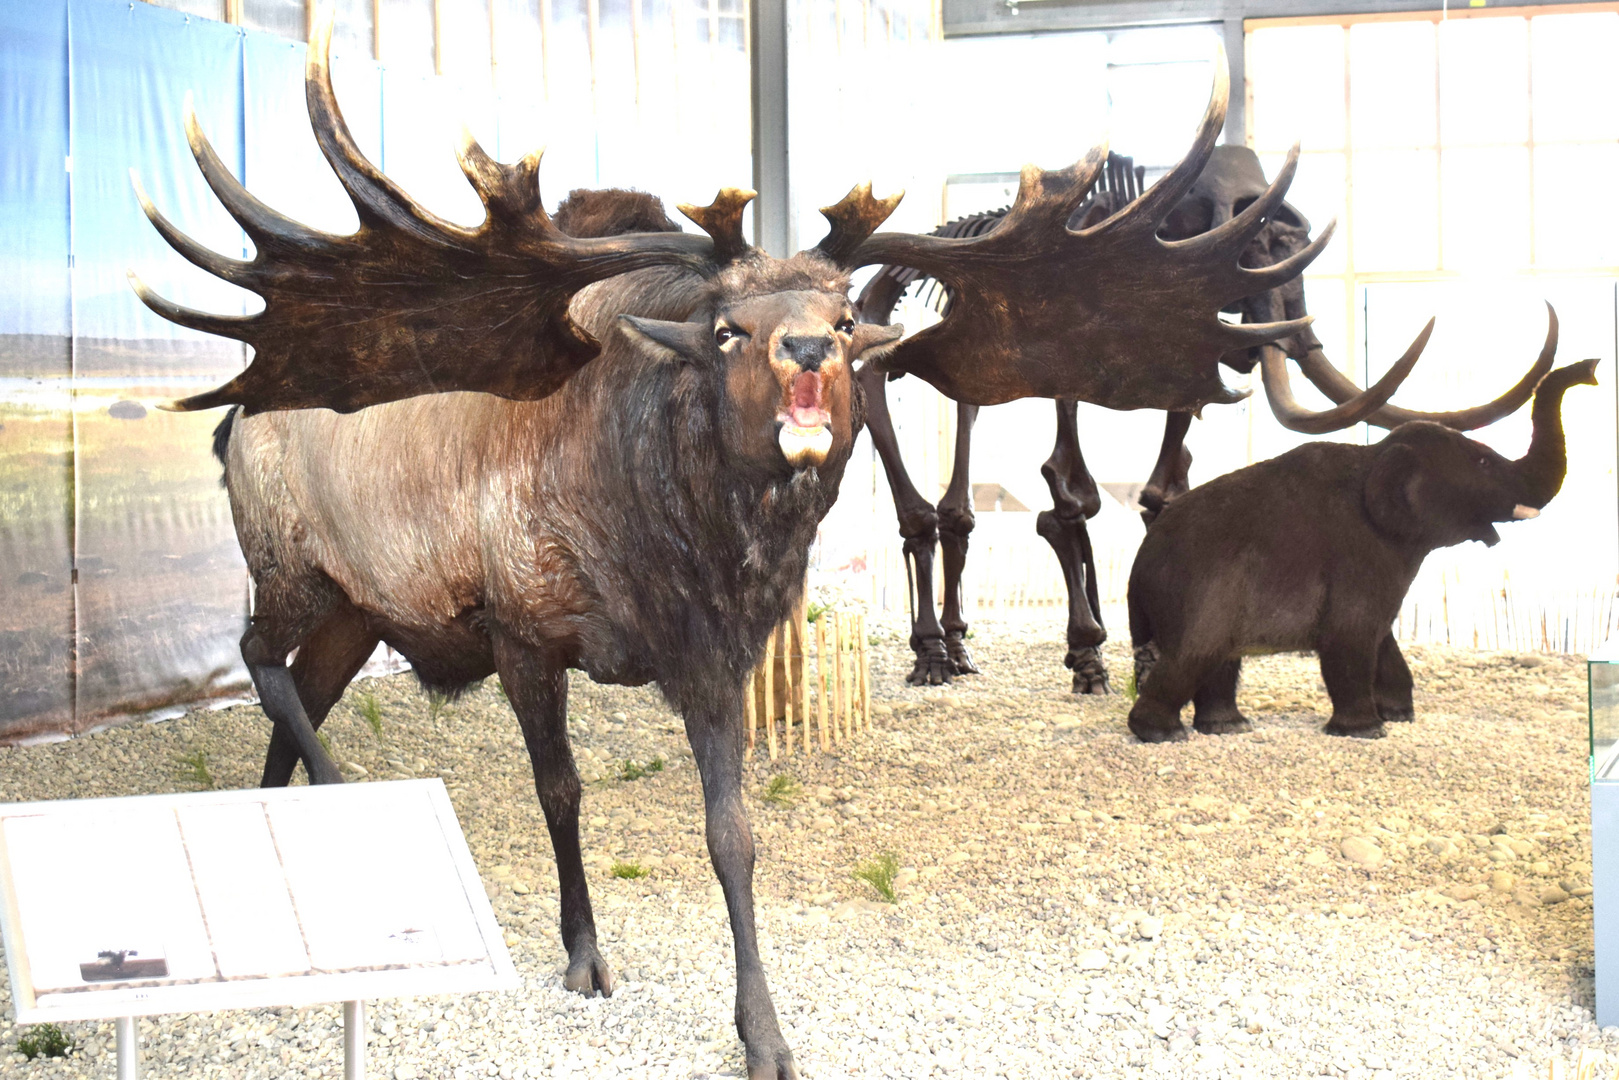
(1071, 903)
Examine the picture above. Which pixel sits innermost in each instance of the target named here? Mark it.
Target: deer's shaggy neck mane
(693, 554)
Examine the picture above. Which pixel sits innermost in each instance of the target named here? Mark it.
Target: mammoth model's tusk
(1295, 417)
(1319, 370)
(1524, 513)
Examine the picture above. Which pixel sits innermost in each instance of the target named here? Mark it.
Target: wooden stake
(823, 685)
(804, 672)
(840, 724)
(788, 696)
(865, 675)
(770, 693)
(753, 685)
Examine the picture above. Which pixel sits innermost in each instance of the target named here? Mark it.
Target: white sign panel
(236, 899)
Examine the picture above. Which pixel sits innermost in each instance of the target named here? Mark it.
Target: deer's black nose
(806, 352)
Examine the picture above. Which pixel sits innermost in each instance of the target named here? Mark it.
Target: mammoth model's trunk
(1543, 467)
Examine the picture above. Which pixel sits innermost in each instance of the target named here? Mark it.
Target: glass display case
(1602, 672)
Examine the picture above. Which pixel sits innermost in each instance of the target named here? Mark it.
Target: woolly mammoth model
(1230, 183)
(1314, 550)
(663, 421)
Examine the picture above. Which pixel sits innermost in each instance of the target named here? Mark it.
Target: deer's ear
(689, 342)
(872, 341)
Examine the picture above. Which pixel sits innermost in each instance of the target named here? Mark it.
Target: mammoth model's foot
(1090, 674)
(1396, 714)
(588, 973)
(961, 657)
(1355, 727)
(1151, 727)
(1232, 723)
(933, 665)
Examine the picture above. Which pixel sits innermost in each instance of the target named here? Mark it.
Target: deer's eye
(722, 334)
(845, 326)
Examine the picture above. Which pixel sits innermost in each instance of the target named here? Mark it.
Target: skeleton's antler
(1044, 311)
(1331, 382)
(410, 303)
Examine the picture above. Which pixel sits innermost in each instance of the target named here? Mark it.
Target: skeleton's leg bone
(1075, 498)
(1169, 473)
(956, 523)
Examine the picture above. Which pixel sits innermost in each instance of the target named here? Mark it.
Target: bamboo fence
(795, 705)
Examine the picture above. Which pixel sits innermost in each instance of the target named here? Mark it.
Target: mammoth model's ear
(1390, 491)
(690, 342)
(873, 341)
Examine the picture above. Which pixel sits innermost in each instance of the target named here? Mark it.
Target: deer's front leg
(716, 738)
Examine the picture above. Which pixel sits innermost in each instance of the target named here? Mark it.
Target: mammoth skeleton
(1230, 183)
(662, 421)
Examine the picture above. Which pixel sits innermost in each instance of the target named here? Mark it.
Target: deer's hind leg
(325, 665)
(536, 684)
(286, 614)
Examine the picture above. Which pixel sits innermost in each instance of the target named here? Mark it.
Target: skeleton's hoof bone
(589, 976)
(1357, 731)
(1157, 734)
(1228, 726)
(804, 447)
(961, 658)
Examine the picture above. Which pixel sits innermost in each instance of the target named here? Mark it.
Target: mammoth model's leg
(1349, 668)
(1393, 683)
(714, 729)
(325, 665)
(284, 617)
(537, 687)
(956, 522)
(1214, 706)
(919, 526)
(1074, 500)
(1169, 473)
(1173, 681)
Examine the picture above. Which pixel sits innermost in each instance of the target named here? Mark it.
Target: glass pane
(353, 35)
(464, 45)
(1391, 84)
(519, 67)
(1153, 109)
(283, 18)
(1485, 191)
(1396, 204)
(1484, 81)
(1576, 81)
(1318, 192)
(1296, 74)
(407, 34)
(1568, 230)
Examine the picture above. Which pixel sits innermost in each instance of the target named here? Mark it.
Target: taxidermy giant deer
(1230, 182)
(661, 422)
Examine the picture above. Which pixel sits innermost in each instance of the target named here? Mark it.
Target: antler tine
(1247, 335)
(262, 224)
(1245, 226)
(1051, 197)
(1148, 211)
(235, 271)
(378, 200)
(1295, 417)
(508, 192)
(854, 218)
(722, 220)
(1265, 278)
(1319, 370)
(238, 327)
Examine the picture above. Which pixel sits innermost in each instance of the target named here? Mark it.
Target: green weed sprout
(630, 871)
(634, 770)
(782, 791)
(371, 713)
(815, 610)
(193, 768)
(44, 1040)
(879, 874)
(436, 703)
(1130, 688)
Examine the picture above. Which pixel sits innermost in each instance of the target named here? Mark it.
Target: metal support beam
(772, 211)
(1236, 114)
(354, 1040)
(127, 1039)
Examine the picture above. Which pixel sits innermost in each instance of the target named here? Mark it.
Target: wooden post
(840, 731)
(801, 621)
(847, 658)
(770, 694)
(753, 685)
(789, 692)
(823, 686)
(865, 675)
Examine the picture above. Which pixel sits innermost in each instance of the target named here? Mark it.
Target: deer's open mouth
(805, 435)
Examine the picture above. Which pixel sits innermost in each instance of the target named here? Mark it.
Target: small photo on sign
(121, 965)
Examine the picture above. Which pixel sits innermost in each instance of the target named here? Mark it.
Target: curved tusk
(1295, 417)
(1331, 382)
(1524, 513)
